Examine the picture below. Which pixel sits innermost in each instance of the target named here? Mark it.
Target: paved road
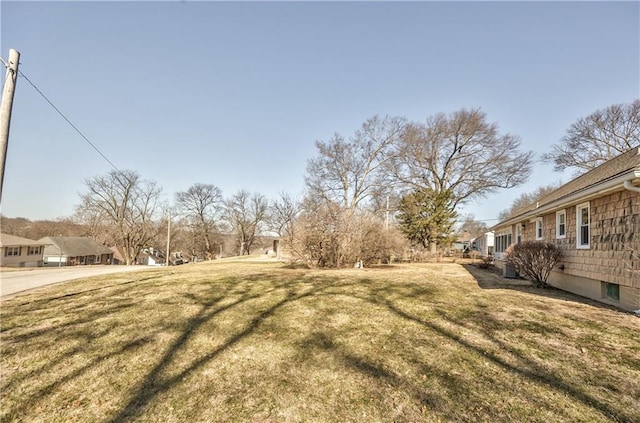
(22, 280)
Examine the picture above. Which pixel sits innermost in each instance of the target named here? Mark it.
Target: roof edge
(576, 197)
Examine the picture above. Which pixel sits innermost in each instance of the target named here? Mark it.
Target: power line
(68, 121)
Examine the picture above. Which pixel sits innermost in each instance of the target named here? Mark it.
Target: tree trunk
(207, 245)
(207, 242)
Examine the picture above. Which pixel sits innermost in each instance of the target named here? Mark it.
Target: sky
(235, 94)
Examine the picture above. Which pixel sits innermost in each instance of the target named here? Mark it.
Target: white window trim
(580, 207)
(97, 259)
(539, 226)
(499, 244)
(558, 214)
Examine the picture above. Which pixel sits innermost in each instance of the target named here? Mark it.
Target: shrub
(486, 262)
(534, 260)
(327, 235)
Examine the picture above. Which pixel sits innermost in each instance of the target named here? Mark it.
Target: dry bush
(486, 262)
(534, 260)
(373, 243)
(329, 236)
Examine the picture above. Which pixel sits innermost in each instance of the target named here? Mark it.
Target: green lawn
(260, 342)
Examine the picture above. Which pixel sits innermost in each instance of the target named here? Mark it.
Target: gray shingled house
(73, 251)
(595, 220)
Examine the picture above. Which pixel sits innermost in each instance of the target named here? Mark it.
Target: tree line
(391, 186)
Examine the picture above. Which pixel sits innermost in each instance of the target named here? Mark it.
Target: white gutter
(577, 197)
(627, 185)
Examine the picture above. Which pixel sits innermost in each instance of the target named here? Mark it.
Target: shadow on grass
(153, 384)
(488, 279)
(526, 367)
(272, 292)
(68, 320)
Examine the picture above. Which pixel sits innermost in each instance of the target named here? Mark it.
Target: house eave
(598, 190)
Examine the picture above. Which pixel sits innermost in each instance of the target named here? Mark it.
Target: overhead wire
(69, 121)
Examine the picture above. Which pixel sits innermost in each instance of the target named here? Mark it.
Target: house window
(561, 224)
(12, 251)
(539, 228)
(33, 251)
(611, 291)
(502, 242)
(518, 234)
(97, 259)
(583, 220)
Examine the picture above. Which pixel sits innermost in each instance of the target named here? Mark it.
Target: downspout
(628, 186)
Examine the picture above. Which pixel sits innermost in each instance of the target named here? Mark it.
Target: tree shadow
(154, 385)
(487, 279)
(526, 367)
(267, 293)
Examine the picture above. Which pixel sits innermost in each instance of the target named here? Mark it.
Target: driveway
(14, 281)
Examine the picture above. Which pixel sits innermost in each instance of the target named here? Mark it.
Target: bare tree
(246, 212)
(348, 172)
(461, 153)
(527, 200)
(127, 204)
(472, 227)
(201, 205)
(592, 140)
(284, 213)
(342, 180)
(316, 240)
(98, 228)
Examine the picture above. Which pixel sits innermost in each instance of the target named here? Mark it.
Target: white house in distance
(484, 244)
(20, 252)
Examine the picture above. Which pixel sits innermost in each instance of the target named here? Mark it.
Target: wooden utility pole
(168, 240)
(386, 222)
(5, 109)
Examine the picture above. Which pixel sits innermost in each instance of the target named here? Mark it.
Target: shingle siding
(614, 240)
(613, 254)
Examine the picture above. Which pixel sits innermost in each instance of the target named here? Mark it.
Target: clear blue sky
(235, 94)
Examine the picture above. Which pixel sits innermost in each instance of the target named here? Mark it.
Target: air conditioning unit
(509, 271)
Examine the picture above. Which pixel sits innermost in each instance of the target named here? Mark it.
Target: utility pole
(386, 223)
(168, 239)
(5, 108)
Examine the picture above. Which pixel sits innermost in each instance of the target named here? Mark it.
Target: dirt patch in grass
(242, 341)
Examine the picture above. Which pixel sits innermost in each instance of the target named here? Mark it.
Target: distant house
(462, 242)
(151, 257)
(176, 258)
(484, 244)
(595, 220)
(74, 251)
(20, 252)
(188, 257)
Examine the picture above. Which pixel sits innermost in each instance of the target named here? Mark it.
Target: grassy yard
(260, 342)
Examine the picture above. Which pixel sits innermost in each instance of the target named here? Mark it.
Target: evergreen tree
(427, 217)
